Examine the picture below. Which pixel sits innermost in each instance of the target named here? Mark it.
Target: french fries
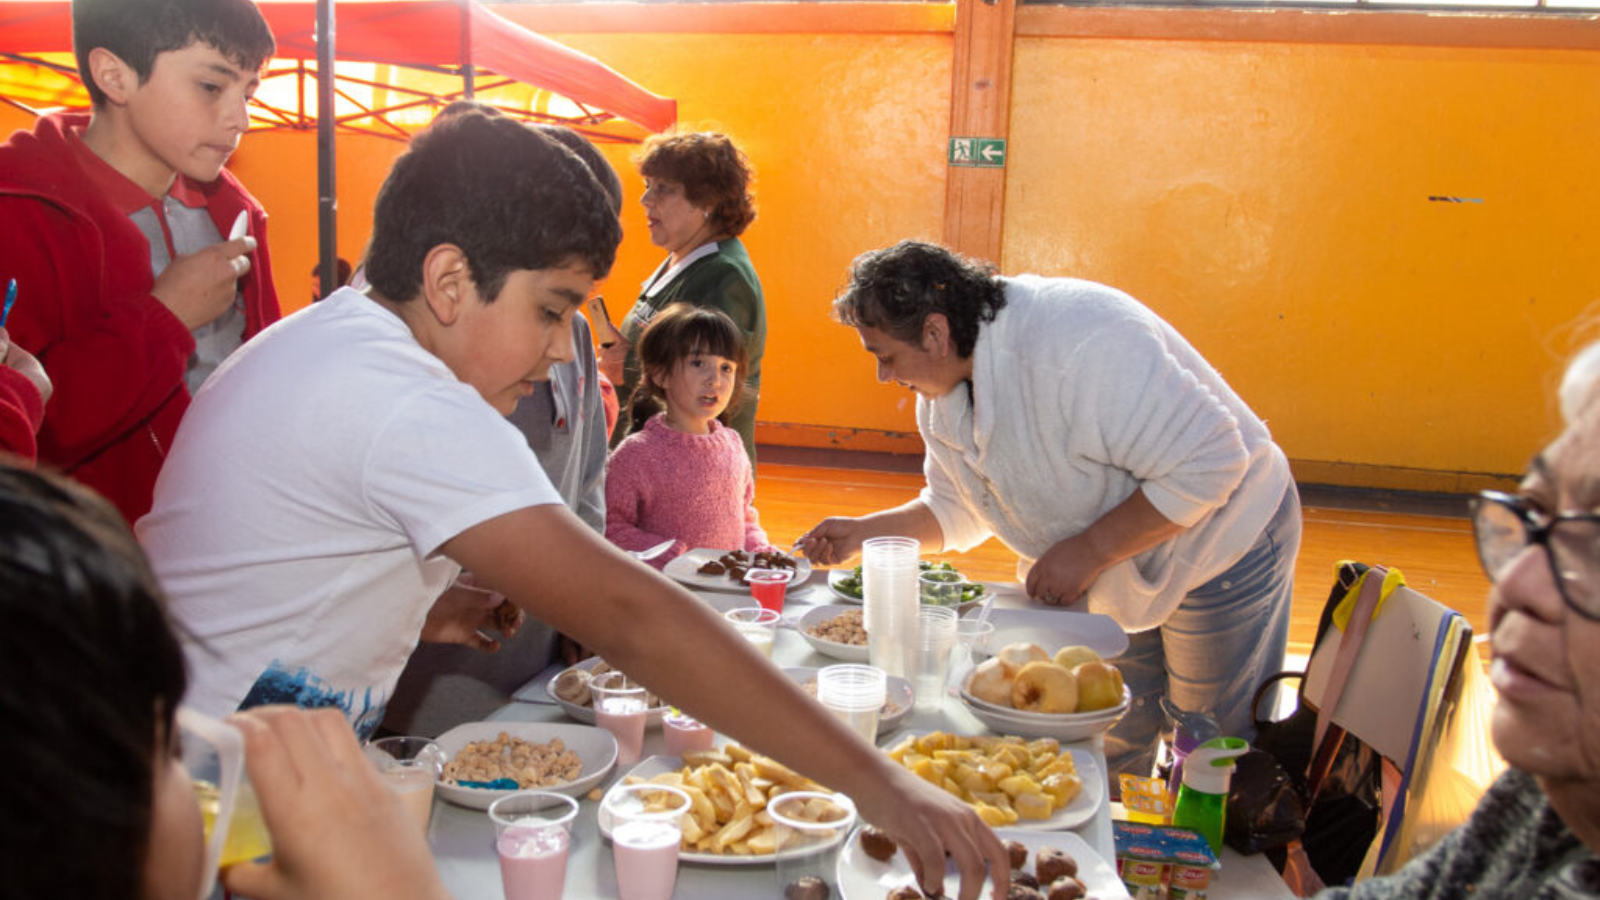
(729, 790)
(1006, 779)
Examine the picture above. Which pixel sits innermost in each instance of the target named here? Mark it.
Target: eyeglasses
(1503, 524)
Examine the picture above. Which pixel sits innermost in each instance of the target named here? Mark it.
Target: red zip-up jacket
(115, 354)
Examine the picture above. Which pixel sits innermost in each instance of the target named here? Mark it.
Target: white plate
(660, 765)
(1061, 726)
(1053, 629)
(815, 616)
(863, 878)
(898, 689)
(585, 714)
(594, 746)
(1080, 810)
(685, 570)
(837, 575)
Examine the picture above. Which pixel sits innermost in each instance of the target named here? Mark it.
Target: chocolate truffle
(808, 888)
(876, 844)
(1053, 864)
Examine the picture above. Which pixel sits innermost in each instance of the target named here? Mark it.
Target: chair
(1392, 671)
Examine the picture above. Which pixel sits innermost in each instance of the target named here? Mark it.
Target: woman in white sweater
(1073, 423)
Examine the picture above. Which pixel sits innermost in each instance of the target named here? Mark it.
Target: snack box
(1152, 856)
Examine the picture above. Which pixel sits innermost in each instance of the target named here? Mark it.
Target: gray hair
(1579, 382)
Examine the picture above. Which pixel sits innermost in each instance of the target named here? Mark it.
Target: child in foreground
(116, 227)
(341, 469)
(97, 805)
(685, 475)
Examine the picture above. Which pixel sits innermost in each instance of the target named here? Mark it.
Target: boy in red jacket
(115, 227)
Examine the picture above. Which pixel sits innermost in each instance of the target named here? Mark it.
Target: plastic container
(1189, 730)
(1203, 800)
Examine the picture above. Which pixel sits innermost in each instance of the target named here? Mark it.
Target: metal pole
(468, 78)
(327, 194)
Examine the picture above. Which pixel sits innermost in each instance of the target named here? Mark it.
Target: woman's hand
(612, 356)
(833, 541)
(338, 832)
(928, 824)
(1063, 574)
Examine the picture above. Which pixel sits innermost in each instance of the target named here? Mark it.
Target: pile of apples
(1023, 676)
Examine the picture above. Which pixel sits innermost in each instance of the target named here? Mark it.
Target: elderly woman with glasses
(1536, 834)
(1073, 423)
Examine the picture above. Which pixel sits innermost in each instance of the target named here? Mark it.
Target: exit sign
(978, 152)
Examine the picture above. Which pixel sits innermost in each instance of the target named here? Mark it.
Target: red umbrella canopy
(398, 61)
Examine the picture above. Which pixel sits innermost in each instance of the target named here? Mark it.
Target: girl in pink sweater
(685, 475)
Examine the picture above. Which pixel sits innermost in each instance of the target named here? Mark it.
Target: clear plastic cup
(755, 624)
(620, 707)
(810, 830)
(889, 567)
(410, 766)
(533, 832)
(855, 694)
(972, 642)
(930, 655)
(768, 586)
(645, 833)
(683, 733)
(213, 755)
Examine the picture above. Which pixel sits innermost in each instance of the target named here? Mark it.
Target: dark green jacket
(727, 281)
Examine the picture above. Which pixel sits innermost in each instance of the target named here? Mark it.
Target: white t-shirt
(298, 514)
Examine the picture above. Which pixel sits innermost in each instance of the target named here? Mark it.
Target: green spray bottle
(1203, 798)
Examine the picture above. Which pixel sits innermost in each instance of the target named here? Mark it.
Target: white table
(463, 839)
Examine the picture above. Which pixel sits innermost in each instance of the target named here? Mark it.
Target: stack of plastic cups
(890, 600)
(929, 659)
(855, 695)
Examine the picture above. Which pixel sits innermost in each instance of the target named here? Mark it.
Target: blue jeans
(1212, 654)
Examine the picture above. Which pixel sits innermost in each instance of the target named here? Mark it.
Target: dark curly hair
(91, 675)
(679, 331)
(508, 196)
(138, 31)
(714, 172)
(894, 290)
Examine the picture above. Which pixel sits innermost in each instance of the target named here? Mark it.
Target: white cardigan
(1080, 396)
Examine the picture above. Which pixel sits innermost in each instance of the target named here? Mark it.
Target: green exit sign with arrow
(978, 152)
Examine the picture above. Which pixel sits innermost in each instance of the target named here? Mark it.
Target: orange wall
(1271, 200)
(1269, 197)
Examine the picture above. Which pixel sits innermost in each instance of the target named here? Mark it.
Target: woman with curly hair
(697, 202)
(1069, 420)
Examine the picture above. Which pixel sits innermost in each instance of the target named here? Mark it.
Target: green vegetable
(850, 585)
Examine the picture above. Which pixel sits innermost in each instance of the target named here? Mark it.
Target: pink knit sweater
(696, 489)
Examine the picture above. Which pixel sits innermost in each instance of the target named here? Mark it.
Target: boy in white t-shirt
(334, 475)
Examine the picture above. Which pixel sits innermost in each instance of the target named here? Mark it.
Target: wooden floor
(1433, 551)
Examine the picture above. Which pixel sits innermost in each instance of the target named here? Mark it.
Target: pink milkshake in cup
(620, 707)
(644, 835)
(684, 734)
(532, 835)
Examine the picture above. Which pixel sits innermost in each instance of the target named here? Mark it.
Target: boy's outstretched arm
(546, 561)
